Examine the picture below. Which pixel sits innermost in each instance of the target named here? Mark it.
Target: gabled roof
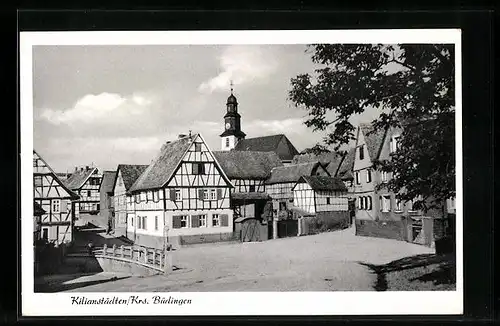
(164, 165)
(331, 161)
(129, 173)
(108, 181)
(292, 173)
(59, 181)
(347, 165)
(247, 165)
(324, 183)
(373, 139)
(268, 144)
(78, 178)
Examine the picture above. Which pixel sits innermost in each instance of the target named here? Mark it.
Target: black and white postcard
(241, 172)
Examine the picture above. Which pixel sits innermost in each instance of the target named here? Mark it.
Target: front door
(45, 234)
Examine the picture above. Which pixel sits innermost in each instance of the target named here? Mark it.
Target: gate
(250, 230)
(287, 228)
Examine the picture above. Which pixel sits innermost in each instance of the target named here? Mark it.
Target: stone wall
(381, 229)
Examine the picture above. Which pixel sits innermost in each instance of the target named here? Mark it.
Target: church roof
(324, 183)
(247, 165)
(292, 173)
(130, 173)
(108, 181)
(232, 99)
(373, 139)
(164, 165)
(269, 144)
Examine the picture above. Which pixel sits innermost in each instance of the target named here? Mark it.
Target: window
(56, 206)
(203, 221)
(89, 193)
(385, 204)
(139, 222)
(213, 194)
(399, 205)
(178, 196)
(38, 180)
(384, 176)
(34, 162)
(328, 200)
(149, 195)
(156, 223)
(198, 168)
(131, 221)
(184, 221)
(120, 182)
(205, 194)
(282, 206)
(215, 220)
(361, 152)
(395, 143)
(227, 141)
(369, 202)
(368, 175)
(358, 181)
(143, 196)
(197, 147)
(45, 234)
(251, 188)
(142, 222)
(412, 204)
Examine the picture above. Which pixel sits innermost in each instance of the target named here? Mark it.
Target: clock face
(228, 125)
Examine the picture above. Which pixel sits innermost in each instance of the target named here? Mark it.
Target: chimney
(181, 136)
(87, 168)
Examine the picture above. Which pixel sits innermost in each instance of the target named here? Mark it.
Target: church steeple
(232, 123)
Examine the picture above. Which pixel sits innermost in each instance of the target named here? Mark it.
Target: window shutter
(176, 222)
(195, 221)
(200, 194)
(194, 168)
(219, 194)
(172, 194)
(224, 220)
(63, 207)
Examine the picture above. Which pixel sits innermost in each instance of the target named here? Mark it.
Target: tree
(412, 86)
(317, 149)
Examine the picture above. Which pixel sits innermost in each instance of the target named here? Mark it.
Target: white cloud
(241, 64)
(92, 107)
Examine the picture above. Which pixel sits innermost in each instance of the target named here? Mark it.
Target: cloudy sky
(108, 105)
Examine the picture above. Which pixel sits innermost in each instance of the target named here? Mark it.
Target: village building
(123, 204)
(57, 203)
(86, 182)
(323, 197)
(280, 183)
(38, 211)
(182, 197)
(106, 204)
(379, 212)
(252, 207)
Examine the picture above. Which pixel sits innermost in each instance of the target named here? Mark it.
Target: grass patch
(427, 272)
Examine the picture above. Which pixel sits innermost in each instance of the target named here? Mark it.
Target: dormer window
(227, 141)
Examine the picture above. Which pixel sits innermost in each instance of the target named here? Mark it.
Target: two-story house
(86, 182)
(106, 205)
(182, 197)
(56, 203)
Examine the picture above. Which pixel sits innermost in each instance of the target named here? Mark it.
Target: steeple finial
(231, 83)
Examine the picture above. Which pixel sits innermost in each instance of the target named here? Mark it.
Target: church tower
(232, 124)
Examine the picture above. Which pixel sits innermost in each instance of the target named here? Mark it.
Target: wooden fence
(150, 257)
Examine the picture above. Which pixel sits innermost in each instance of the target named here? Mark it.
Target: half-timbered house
(124, 205)
(106, 213)
(325, 197)
(56, 200)
(280, 183)
(182, 197)
(86, 182)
